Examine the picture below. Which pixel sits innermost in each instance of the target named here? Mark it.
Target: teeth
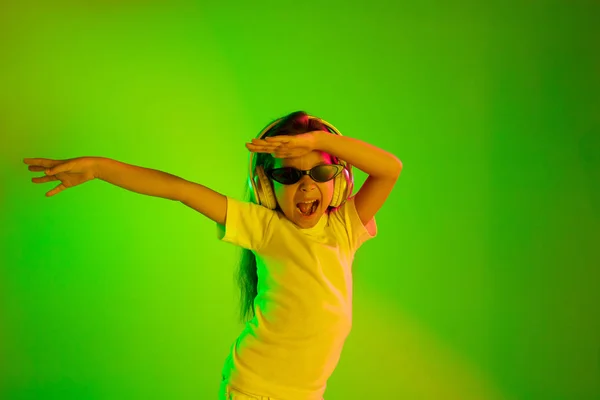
(307, 202)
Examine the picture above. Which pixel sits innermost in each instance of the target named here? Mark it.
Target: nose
(307, 183)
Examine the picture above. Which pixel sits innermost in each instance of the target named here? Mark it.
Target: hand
(285, 146)
(70, 172)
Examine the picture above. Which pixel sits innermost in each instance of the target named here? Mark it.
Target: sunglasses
(319, 173)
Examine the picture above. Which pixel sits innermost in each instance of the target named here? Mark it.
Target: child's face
(288, 196)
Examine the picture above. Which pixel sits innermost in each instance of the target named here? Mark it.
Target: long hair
(292, 124)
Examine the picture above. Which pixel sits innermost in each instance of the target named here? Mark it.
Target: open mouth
(307, 209)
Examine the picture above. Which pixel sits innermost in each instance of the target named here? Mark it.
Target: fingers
(277, 139)
(269, 141)
(260, 142)
(44, 179)
(46, 164)
(262, 148)
(59, 168)
(268, 145)
(56, 190)
(37, 162)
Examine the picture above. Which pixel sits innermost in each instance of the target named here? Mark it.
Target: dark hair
(292, 124)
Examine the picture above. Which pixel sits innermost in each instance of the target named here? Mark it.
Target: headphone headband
(310, 117)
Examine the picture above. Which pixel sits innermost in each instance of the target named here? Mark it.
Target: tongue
(305, 207)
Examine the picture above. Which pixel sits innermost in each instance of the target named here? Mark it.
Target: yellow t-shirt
(304, 303)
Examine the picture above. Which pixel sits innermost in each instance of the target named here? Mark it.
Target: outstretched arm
(161, 184)
(151, 182)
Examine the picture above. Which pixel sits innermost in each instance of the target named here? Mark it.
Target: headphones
(261, 187)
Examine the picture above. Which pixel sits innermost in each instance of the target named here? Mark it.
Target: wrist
(322, 141)
(99, 167)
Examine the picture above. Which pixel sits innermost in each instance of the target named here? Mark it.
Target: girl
(299, 231)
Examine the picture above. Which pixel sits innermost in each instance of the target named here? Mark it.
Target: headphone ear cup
(337, 196)
(342, 188)
(266, 197)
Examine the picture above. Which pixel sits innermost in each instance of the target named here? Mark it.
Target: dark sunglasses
(319, 173)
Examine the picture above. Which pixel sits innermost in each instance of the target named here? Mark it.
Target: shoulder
(346, 215)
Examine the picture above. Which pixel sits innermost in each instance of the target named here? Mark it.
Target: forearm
(141, 180)
(364, 156)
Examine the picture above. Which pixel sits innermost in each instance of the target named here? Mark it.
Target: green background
(483, 281)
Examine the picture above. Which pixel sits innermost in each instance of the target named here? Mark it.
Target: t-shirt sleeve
(247, 224)
(357, 232)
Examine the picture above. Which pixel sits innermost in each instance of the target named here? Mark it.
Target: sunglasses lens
(286, 176)
(324, 173)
